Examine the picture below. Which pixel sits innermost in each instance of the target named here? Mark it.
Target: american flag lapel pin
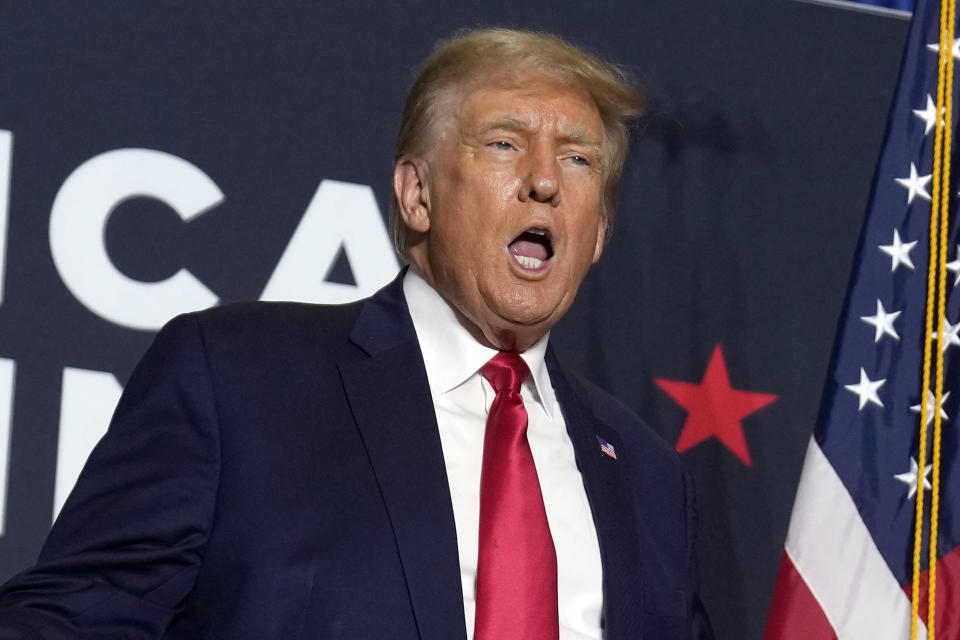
(607, 449)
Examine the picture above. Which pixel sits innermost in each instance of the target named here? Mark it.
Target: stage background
(231, 151)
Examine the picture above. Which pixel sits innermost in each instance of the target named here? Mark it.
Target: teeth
(539, 232)
(528, 262)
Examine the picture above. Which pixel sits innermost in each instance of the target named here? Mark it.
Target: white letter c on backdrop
(78, 219)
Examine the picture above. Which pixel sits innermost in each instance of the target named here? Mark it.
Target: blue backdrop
(158, 157)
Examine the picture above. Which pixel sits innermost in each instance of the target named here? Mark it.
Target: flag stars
(955, 50)
(951, 334)
(954, 267)
(915, 184)
(899, 252)
(928, 115)
(911, 478)
(866, 390)
(883, 322)
(931, 402)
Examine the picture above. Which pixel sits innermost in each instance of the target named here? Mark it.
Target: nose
(542, 181)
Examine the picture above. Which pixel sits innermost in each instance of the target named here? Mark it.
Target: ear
(410, 187)
(601, 239)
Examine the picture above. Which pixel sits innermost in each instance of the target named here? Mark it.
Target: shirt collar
(451, 355)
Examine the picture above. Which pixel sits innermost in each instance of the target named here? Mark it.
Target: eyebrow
(577, 134)
(580, 135)
(509, 124)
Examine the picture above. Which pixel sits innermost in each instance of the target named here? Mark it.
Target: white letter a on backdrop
(340, 214)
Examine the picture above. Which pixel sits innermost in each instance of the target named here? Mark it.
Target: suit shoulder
(274, 318)
(265, 330)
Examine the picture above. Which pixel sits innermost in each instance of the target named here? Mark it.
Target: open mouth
(532, 248)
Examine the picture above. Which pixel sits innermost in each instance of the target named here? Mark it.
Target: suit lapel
(605, 480)
(389, 395)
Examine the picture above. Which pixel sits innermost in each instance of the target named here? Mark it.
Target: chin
(520, 310)
(527, 319)
(526, 326)
(519, 315)
(539, 312)
(524, 302)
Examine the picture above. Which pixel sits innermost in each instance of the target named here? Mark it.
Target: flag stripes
(832, 551)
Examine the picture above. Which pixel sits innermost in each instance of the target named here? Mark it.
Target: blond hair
(475, 53)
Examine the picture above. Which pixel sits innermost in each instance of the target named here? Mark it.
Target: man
(417, 465)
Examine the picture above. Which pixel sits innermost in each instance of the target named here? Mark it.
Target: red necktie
(517, 563)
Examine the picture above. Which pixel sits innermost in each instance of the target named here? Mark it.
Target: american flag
(846, 571)
(606, 448)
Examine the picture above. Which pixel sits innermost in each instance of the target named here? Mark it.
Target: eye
(580, 160)
(502, 145)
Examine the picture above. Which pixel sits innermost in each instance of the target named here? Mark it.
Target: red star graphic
(714, 408)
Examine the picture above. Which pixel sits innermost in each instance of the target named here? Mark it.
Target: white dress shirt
(462, 399)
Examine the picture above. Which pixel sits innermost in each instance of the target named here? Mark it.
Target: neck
(508, 337)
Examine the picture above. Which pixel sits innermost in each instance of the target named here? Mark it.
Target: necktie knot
(505, 371)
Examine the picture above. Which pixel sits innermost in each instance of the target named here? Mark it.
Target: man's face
(508, 206)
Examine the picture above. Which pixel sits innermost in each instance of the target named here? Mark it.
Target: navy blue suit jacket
(275, 471)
